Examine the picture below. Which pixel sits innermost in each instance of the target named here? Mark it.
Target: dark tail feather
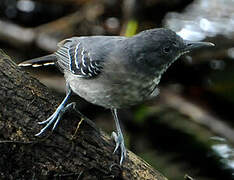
(41, 61)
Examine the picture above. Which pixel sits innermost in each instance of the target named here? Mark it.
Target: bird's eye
(166, 49)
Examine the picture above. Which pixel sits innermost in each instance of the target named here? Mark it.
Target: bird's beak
(191, 45)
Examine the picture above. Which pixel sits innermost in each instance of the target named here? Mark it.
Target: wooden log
(24, 101)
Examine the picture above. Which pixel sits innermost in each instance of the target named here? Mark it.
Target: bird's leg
(119, 140)
(56, 116)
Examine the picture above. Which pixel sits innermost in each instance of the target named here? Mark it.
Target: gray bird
(113, 71)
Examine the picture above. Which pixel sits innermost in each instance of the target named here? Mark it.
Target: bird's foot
(119, 143)
(55, 117)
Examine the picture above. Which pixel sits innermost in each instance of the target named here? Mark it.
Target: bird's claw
(119, 143)
(55, 117)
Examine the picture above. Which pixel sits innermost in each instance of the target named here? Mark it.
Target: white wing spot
(23, 64)
(96, 64)
(95, 72)
(75, 55)
(82, 71)
(37, 65)
(82, 59)
(49, 63)
(90, 70)
(92, 66)
(70, 64)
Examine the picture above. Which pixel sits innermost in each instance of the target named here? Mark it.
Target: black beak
(191, 45)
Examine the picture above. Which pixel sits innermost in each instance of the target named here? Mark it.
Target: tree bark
(24, 101)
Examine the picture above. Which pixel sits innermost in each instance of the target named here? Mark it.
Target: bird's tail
(41, 61)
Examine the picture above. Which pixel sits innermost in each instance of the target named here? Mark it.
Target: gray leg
(56, 116)
(119, 140)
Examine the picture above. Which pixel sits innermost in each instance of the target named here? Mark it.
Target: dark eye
(166, 49)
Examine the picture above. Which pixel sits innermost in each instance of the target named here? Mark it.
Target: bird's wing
(73, 56)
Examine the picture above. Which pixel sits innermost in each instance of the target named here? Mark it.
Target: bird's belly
(110, 95)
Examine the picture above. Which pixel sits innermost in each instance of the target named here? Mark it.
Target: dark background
(188, 129)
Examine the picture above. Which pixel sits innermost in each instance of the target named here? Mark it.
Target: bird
(114, 72)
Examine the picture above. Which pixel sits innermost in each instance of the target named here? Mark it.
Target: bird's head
(157, 49)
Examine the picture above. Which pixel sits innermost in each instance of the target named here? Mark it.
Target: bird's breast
(112, 92)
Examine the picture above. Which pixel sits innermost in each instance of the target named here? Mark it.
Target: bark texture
(24, 101)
